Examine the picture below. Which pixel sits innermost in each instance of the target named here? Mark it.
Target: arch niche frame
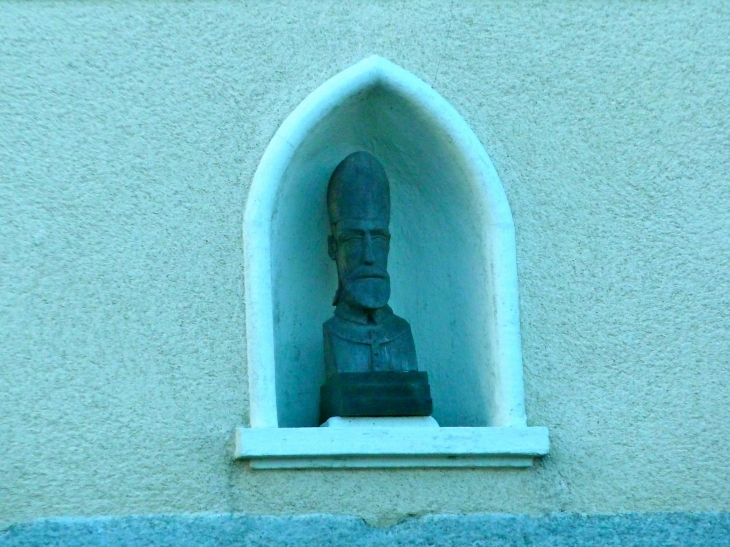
(453, 268)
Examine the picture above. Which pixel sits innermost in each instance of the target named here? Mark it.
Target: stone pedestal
(376, 394)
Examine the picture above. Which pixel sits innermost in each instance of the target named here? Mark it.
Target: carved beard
(366, 292)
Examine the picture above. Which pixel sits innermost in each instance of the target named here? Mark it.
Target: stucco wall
(129, 135)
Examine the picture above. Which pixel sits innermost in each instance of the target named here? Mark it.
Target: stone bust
(370, 356)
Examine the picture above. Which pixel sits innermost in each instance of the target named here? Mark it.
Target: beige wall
(129, 135)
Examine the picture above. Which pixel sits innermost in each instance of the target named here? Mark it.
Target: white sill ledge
(313, 447)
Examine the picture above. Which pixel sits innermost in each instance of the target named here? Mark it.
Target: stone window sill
(318, 447)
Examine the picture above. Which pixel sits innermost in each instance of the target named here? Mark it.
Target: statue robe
(354, 344)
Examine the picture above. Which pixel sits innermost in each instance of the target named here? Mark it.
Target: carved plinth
(360, 394)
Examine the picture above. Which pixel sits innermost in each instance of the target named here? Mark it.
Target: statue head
(358, 202)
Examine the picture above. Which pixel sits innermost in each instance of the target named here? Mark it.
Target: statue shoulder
(396, 326)
(329, 325)
(399, 323)
(346, 330)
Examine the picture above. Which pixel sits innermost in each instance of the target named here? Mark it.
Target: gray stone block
(560, 530)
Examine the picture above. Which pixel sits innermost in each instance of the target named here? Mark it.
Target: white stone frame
(508, 441)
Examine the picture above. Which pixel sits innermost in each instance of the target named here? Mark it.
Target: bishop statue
(370, 356)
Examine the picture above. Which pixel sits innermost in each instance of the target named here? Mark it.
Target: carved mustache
(365, 273)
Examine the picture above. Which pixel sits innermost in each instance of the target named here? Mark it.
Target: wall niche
(452, 266)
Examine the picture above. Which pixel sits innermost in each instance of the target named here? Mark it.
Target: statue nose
(367, 252)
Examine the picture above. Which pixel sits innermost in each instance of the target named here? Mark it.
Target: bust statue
(370, 357)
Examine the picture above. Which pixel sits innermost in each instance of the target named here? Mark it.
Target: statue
(370, 357)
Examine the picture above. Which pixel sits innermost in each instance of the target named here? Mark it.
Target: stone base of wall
(626, 530)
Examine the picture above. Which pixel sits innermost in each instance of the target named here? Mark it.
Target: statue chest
(365, 348)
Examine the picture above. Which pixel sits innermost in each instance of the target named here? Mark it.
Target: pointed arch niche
(453, 271)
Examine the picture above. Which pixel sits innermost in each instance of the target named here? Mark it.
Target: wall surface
(130, 132)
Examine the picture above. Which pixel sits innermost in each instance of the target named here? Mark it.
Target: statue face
(360, 248)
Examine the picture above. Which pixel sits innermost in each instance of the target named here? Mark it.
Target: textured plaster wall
(129, 134)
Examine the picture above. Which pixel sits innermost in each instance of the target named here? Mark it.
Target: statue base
(375, 394)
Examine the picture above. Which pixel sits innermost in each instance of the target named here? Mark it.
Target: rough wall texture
(129, 134)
